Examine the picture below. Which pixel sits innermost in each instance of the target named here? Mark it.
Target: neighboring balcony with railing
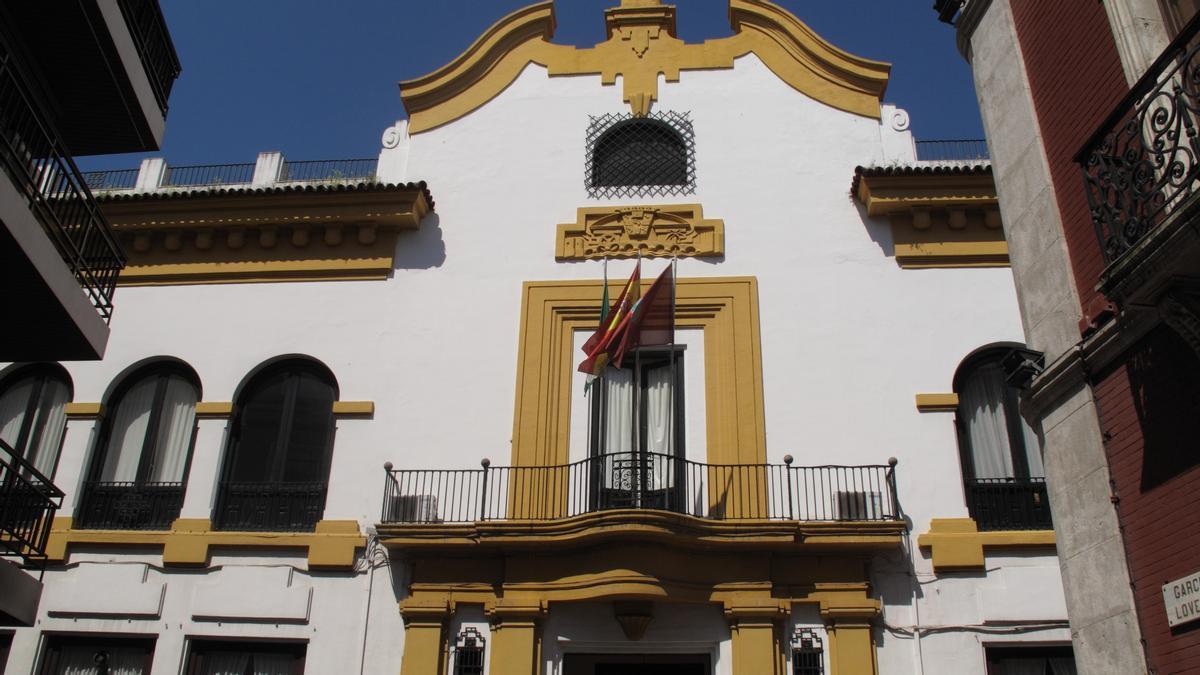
(28, 502)
(641, 490)
(1141, 171)
(109, 64)
(55, 245)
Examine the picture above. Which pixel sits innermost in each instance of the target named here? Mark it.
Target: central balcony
(643, 491)
(28, 502)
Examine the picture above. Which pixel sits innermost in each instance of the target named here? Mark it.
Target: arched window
(640, 156)
(33, 416)
(277, 467)
(1001, 456)
(136, 480)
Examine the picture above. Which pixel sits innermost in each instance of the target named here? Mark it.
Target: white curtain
(1033, 451)
(226, 663)
(52, 419)
(81, 661)
(1062, 666)
(616, 429)
(13, 403)
(128, 432)
(175, 426)
(982, 403)
(660, 432)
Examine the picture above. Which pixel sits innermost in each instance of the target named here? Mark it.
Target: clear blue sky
(317, 79)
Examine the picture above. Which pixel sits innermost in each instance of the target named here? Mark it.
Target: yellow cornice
(957, 543)
(943, 219)
(649, 231)
(259, 236)
(642, 46)
(661, 527)
(331, 545)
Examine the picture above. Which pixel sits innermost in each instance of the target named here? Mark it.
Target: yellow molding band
(957, 543)
(641, 47)
(214, 409)
(354, 408)
(937, 402)
(952, 254)
(726, 308)
(331, 546)
(84, 411)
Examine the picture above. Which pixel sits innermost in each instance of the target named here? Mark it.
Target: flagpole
(674, 447)
(637, 404)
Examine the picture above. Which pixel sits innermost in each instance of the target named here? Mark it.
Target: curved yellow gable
(641, 45)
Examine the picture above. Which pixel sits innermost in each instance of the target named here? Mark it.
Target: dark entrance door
(636, 664)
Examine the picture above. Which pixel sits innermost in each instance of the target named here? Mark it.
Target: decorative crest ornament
(677, 230)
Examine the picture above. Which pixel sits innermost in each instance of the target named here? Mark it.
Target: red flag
(652, 319)
(611, 317)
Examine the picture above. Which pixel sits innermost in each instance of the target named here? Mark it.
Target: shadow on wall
(878, 229)
(421, 249)
(1164, 379)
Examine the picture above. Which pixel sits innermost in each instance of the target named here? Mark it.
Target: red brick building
(1092, 112)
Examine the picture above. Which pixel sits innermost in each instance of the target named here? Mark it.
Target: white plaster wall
(848, 339)
(240, 596)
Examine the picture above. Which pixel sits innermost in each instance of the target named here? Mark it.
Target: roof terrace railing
(327, 170)
(638, 480)
(37, 161)
(119, 179)
(953, 150)
(1142, 164)
(154, 46)
(208, 174)
(28, 502)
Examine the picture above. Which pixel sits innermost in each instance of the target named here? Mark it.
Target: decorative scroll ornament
(653, 231)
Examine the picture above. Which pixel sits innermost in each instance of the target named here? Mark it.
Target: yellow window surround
(956, 544)
(726, 308)
(931, 403)
(189, 542)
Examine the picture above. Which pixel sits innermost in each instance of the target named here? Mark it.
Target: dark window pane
(309, 437)
(259, 419)
(640, 152)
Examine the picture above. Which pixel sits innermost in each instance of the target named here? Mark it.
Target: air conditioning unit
(859, 506)
(414, 509)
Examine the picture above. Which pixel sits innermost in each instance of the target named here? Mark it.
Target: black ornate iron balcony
(28, 501)
(1142, 164)
(37, 161)
(270, 507)
(130, 506)
(1009, 503)
(154, 47)
(729, 492)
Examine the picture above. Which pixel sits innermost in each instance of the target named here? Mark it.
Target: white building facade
(279, 341)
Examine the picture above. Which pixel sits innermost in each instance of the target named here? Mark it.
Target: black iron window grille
(468, 652)
(808, 654)
(651, 156)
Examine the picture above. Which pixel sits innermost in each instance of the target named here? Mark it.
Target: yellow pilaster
(516, 642)
(424, 635)
(851, 647)
(754, 628)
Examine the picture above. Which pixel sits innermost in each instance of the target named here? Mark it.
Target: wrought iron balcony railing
(154, 47)
(208, 174)
(728, 492)
(327, 170)
(968, 150)
(28, 501)
(129, 505)
(270, 507)
(1142, 165)
(38, 163)
(1009, 503)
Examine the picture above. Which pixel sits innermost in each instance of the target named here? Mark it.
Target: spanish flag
(613, 320)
